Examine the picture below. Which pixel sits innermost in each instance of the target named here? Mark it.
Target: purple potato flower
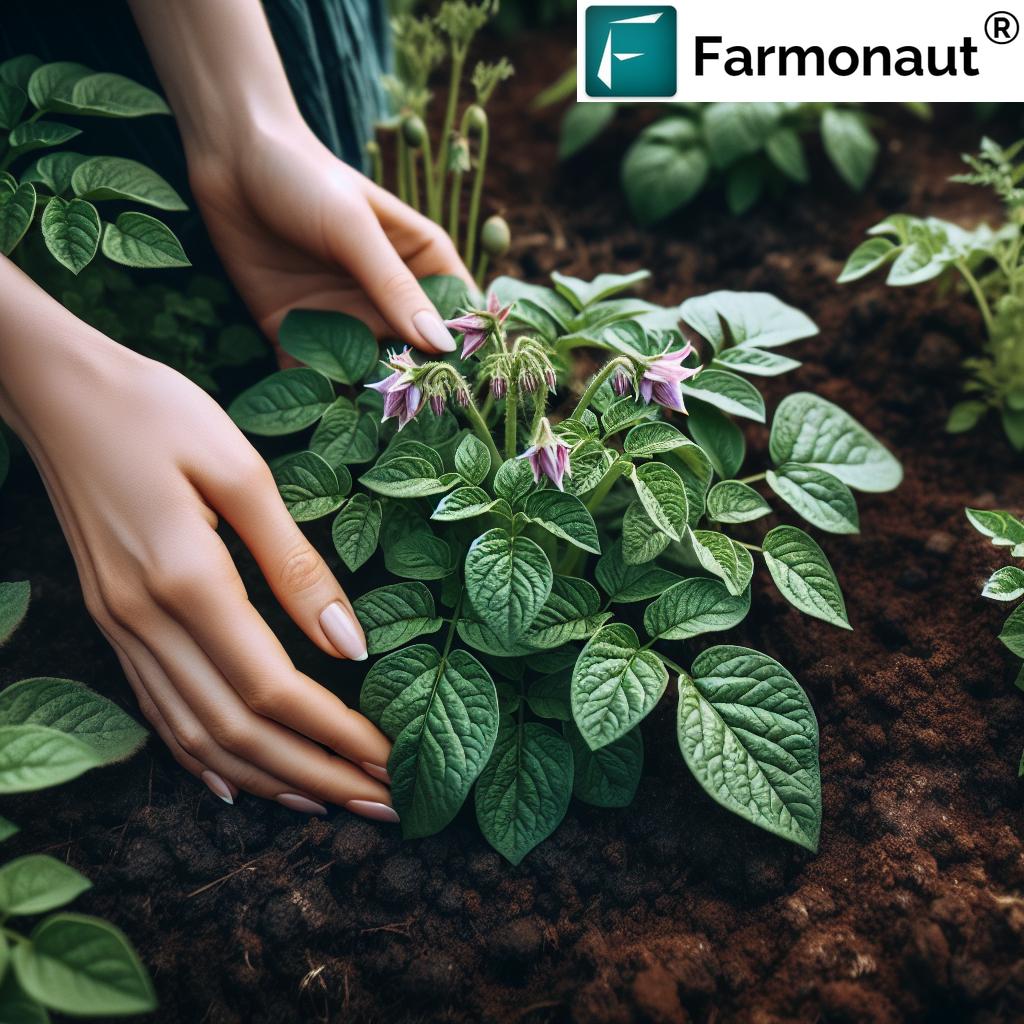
(662, 376)
(477, 325)
(548, 456)
(402, 398)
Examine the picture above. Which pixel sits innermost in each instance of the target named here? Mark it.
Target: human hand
(139, 463)
(296, 227)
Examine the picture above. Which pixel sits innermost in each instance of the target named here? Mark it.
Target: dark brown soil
(672, 909)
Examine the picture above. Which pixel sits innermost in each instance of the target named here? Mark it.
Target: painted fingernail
(302, 804)
(433, 331)
(370, 809)
(379, 772)
(341, 628)
(217, 786)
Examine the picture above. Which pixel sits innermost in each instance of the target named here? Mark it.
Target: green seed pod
(475, 118)
(495, 237)
(414, 131)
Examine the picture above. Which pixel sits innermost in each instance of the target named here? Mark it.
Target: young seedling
(989, 263)
(519, 519)
(60, 189)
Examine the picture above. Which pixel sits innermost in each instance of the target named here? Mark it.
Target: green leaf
(107, 95)
(692, 607)
(284, 402)
(83, 966)
(35, 757)
(812, 431)
(76, 710)
(733, 502)
(138, 240)
(420, 556)
(47, 80)
(565, 516)
(867, 258)
(965, 416)
(12, 103)
(442, 714)
(625, 583)
(586, 293)
(822, 499)
(571, 612)
(38, 883)
(7, 829)
(345, 436)
(339, 346)
(548, 696)
(508, 579)
(18, 70)
(394, 615)
(405, 476)
(614, 685)
(850, 145)
(401, 447)
(309, 487)
(737, 130)
(719, 437)
(54, 170)
(755, 361)
(449, 294)
(728, 392)
(31, 135)
(803, 575)
(664, 168)
(744, 185)
(71, 231)
(786, 152)
(18, 1008)
(468, 503)
(472, 459)
(524, 791)
(749, 735)
(1006, 584)
(582, 123)
(724, 557)
(590, 461)
(114, 177)
(356, 530)
(514, 481)
(663, 497)
(16, 211)
(623, 413)
(754, 319)
(14, 598)
(697, 472)
(1004, 529)
(649, 439)
(1013, 631)
(607, 777)
(642, 540)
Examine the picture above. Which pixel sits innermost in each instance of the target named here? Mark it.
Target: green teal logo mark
(630, 51)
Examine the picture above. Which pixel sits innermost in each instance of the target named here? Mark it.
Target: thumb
(394, 290)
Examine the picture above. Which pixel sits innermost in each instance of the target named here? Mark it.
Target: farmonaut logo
(630, 51)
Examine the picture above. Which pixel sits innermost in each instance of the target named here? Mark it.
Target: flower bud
(495, 237)
(621, 383)
(462, 397)
(414, 131)
(476, 118)
(499, 386)
(550, 379)
(437, 405)
(528, 382)
(458, 155)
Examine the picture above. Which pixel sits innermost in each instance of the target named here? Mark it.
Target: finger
(268, 746)
(245, 650)
(300, 579)
(365, 251)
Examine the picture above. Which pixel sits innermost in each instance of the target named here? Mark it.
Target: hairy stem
(979, 295)
(478, 187)
(595, 385)
(511, 417)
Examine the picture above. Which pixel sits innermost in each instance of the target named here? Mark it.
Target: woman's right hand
(139, 463)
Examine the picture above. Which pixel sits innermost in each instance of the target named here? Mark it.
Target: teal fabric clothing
(334, 51)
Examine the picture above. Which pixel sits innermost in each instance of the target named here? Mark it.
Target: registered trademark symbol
(1002, 27)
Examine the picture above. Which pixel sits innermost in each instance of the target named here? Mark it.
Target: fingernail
(341, 628)
(302, 804)
(369, 809)
(379, 772)
(433, 331)
(217, 786)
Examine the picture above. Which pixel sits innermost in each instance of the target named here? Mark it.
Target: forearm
(220, 68)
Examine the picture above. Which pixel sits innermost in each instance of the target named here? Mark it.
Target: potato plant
(1007, 583)
(51, 731)
(752, 148)
(989, 263)
(59, 189)
(549, 547)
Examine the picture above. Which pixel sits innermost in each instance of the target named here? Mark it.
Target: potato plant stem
(454, 208)
(481, 269)
(669, 663)
(428, 181)
(441, 167)
(511, 417)
(595, 385)
(400, 160)
(478, 187)
(752, 479)
(979, 295)
(481, 431)
(412, 155)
